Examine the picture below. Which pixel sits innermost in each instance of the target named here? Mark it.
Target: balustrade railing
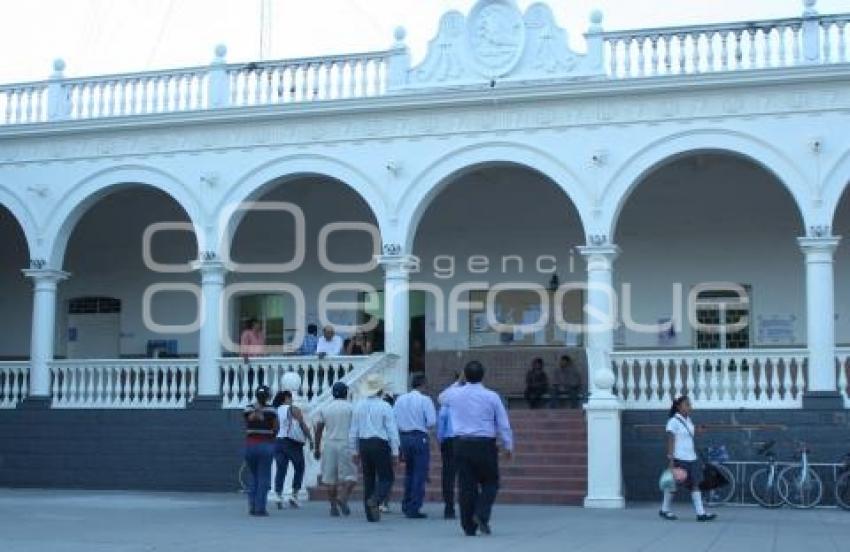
(136, 93)
(14, 383)
(23, 103)
(239, 380)
(835, 38)
(308, 79)
(770, 378)
(123, 384)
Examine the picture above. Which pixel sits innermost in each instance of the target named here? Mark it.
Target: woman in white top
(292, 434)
(682, 455)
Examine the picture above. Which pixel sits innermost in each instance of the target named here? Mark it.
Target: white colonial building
(698, 172)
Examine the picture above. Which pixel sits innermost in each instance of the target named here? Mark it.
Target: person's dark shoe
(260, 514)
(483, 526)
(343, 508)
(373, 511)
(416, 515)
(669, 516)
(449, 513)
(706, 517)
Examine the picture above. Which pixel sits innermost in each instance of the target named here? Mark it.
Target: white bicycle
(801, 487)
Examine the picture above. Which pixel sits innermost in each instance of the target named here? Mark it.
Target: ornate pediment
(497, 42)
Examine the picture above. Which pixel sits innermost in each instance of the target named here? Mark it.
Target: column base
(823, 400)
(205, 402)
(598, 503)
(36, 403)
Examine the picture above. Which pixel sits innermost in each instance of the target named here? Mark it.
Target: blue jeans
(259, 459)
(416, 450)
(286, 451)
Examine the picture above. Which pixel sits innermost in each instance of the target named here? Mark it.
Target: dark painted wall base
(827, 433)
(827, 400)
(197, 449)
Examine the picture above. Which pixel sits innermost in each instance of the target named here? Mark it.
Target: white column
(45, 282)
(209, 349)
(397, 313)
(820, 312)
(604, 451)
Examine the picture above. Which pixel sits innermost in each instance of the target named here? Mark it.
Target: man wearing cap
(478, 417)
(333, 422)
(374, 441)
(415, 416)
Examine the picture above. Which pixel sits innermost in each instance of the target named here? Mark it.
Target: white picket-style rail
(14, 383)
(768, 379)
(123, 384)
(317, 376)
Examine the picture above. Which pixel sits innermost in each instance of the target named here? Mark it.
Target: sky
(113, 36)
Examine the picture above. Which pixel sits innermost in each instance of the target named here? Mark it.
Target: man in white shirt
(415, 416)
(373, 440)
(329, 344)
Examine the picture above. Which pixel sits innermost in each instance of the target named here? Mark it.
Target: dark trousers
(377, 465)
(416, 451)
(259, 459)
(534, 396)
(447, 452)
(478, 472)
(286, 451)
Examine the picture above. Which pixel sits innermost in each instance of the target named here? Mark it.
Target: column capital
(41, 274)
(397, 265)
(210, 267)
(604, 253)
(819, 246)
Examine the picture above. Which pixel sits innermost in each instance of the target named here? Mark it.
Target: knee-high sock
(696, 497)
(667, 503)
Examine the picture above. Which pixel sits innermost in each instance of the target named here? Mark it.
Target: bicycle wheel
(723, 495)
(767, 493)
(801, 491)
(842, 491)
(244, 477)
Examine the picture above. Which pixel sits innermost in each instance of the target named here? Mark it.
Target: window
(726, 316)
(94, 305)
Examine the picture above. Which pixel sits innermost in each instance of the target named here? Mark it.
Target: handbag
(712, 478)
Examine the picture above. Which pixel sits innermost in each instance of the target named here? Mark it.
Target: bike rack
(743, 471)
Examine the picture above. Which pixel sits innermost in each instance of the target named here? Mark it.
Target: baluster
(379, 76)
(842, 378)
(246, 88)
(724, 50)
(649, 384)
(753, 50)
(666, 382)
(28, 101)
(614, 44)
(174, 87)
(109, 103)
(619, 384)
(7, 115)
(77, 389)
(653, 68)
(258, 89)
(18, 103)
(739, 49)
(710, 53)
(764, 396)
(668, 54)
(641, 58)
(101, 99)
(696, 55)
(797, 45)
(718, 387)
(305, 82)
(842, 42)
(827, 42)
(683, 52)
(627, 58)
(767, 34)
(355, 65)
(782, 53)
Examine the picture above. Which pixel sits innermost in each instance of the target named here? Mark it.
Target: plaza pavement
(68, 521)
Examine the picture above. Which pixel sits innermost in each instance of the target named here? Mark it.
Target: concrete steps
(549, 465)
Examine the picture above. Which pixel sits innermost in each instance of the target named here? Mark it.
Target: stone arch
(656, 154)
(80, 197)
(25, 219)
(835, 184)
(441, 172)
(261, 179)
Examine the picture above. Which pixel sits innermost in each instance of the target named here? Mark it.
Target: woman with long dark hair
(682, 457)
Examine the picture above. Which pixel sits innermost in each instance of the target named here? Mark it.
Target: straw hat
(372, 385)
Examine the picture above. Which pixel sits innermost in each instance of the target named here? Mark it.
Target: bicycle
(842, 485)
(717, 497)
(765, 484)
(243, 477)
(803, 487)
